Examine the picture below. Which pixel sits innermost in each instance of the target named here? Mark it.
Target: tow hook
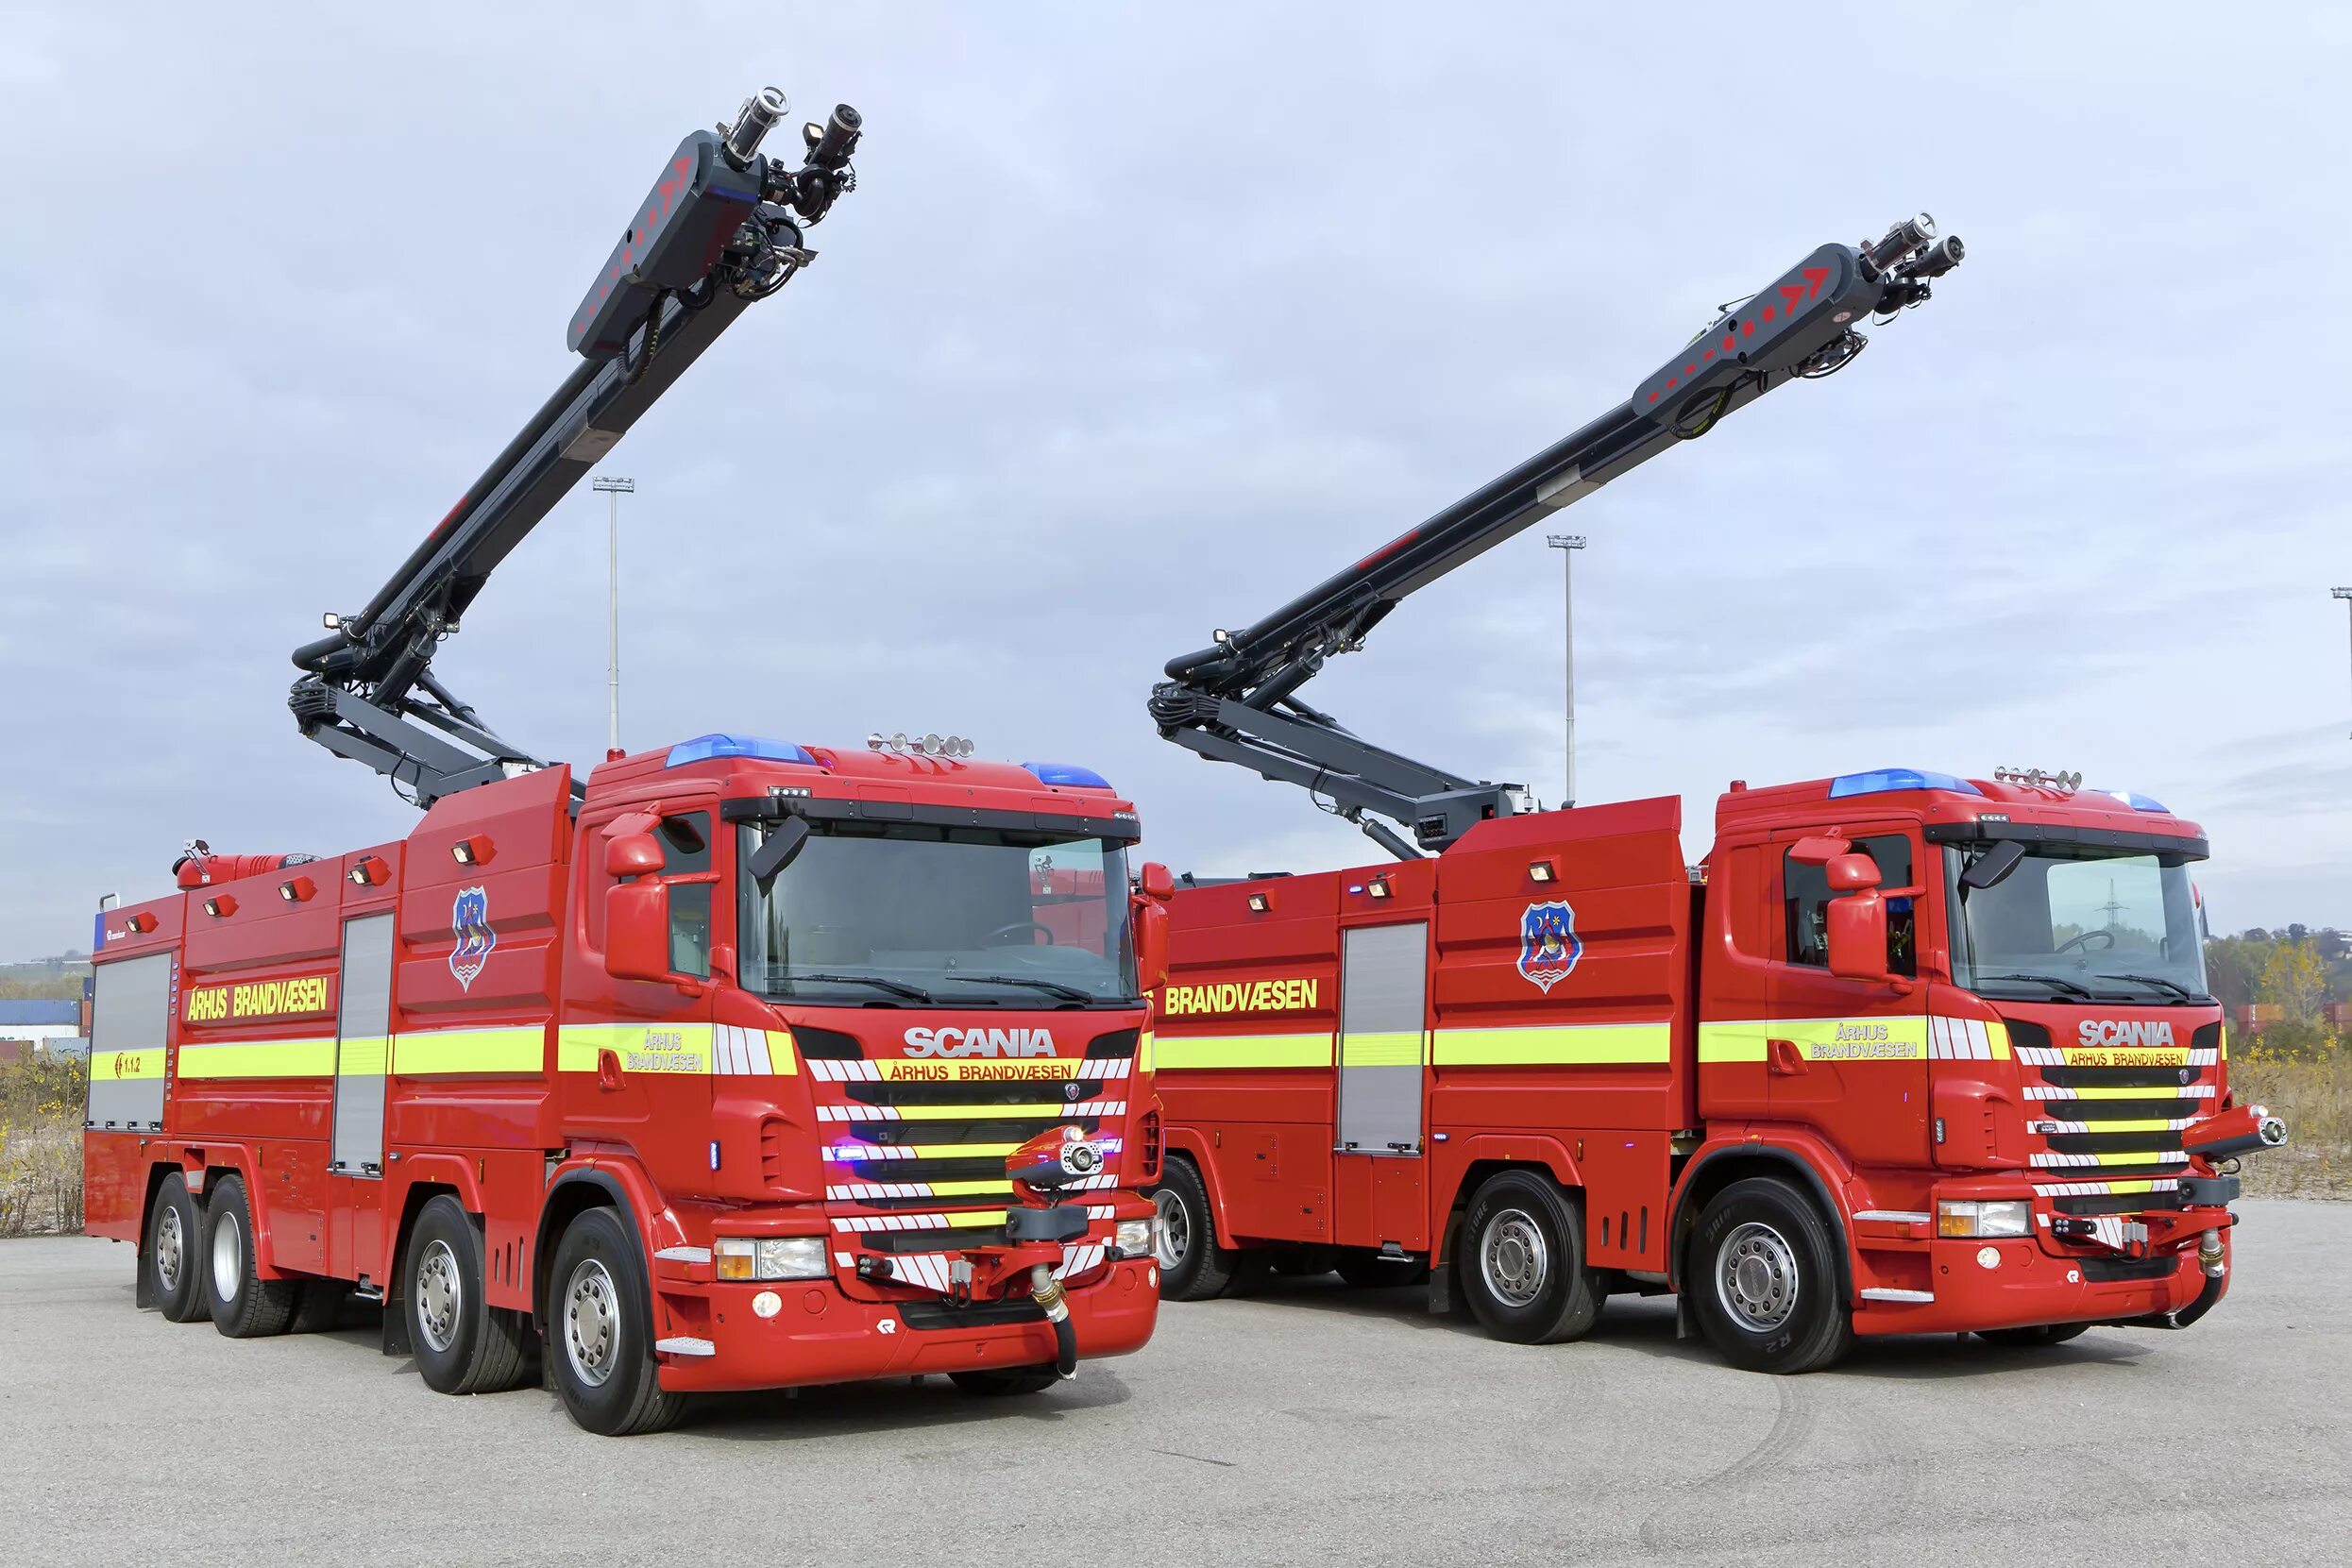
(2210, 1254)
(1046, 1290)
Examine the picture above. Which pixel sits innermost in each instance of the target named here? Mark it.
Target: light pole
(2341, 593)
(614, 488)
(1568, 545)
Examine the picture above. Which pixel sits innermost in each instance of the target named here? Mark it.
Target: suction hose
(1046, 1290)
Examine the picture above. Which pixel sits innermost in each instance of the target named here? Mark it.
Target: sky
(1141, 322)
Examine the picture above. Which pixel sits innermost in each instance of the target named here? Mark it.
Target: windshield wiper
(2172, 985)
(896, 987)
(1054, 987)
(2056, 982)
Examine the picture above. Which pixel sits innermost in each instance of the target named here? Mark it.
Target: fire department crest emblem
(1548, 945)
(469, 919)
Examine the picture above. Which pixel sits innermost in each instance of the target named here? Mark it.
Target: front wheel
(599, 1328)
(1521, 1261)
(1763, 1280)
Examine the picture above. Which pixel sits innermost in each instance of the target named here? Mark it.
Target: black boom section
(1236, 700)
(720, 229)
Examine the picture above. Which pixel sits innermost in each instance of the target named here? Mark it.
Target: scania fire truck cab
(740, 1063)
(1909, 1053)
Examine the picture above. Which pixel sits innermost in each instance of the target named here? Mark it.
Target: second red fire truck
(1904, 1053)
(736, 1063)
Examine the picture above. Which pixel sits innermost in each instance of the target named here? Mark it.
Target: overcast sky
(1137, 325)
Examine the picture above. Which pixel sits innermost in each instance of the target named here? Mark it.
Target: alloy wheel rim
(592, 1323)
(1175, 1228)
(1756, 1277)
(440, 1295)
(227, 1258)
(1514, 1257)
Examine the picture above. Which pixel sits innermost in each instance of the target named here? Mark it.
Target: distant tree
(2296, 982)
(2298, 933)
(2331, 943)
(2233, 967)
(2254, 933)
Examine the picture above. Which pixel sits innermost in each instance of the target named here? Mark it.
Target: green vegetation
(40, 1112)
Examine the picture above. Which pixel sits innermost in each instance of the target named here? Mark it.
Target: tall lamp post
(616, 488)
(1568, 545)
(2341, 593)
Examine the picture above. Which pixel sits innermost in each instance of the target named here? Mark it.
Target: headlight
(1971, 1218)
(1135, 1237)
(770, 1256)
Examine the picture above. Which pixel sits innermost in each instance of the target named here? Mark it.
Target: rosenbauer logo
(978, 1040)
(2112, 1033)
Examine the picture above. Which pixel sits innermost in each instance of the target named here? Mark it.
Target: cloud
(1138, 324)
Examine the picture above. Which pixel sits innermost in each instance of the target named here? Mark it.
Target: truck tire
(2032, 1339)
(173, 1257)
(320, 1307)
(1192, 1266)
(1371, 1271)
(998, 1382)
(462, 1345)
(1763, 1280)
(245, 1306)
(600, 1318)
(1521, 1261)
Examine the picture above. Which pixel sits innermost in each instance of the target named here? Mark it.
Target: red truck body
(353, 1037)
(1345, 1057)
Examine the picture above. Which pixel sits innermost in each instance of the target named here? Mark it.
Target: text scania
(1240, 996)
(978, 1041)
(2112, 1032)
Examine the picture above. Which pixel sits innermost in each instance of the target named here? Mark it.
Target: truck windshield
(2079, 921)
(901, 914)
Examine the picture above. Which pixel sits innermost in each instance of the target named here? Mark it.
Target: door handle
(608, 1070)
(1781, 1058)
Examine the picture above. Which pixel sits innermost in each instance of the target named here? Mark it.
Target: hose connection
(2209, 1254)
(1047, 1292)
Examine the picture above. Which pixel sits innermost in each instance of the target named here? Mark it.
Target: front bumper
(1968, 1286)
(817, 1334)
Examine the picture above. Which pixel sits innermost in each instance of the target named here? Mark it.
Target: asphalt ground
(1313, 1423)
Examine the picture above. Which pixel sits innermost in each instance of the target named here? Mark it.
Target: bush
(41, 1176)
(2310, 1088)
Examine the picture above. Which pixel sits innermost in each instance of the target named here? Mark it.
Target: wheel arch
(1188, 1144)
(571, 1194)
(1712, 1169)
(1489, 1155)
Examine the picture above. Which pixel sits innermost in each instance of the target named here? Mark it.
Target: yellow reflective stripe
(2158, 1093)
(968, 1113)
(967, 1190)
(782, 1056)
(2137, 1125)
(944, 1151)
(107, 1067)
(1175, 1052)
(2123, 1055)
(1402, 1048)
(1563, 1045)
(219, 1059)
(1143, 1052)
(641, 1047)
(2140, 1157)
(520, 1049)
(363, 1057)
(2222, 1053)
(1902, 1037)
(1997, 1035)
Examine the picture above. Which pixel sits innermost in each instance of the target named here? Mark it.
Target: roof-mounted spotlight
(1380, 888)
(370, 870)
(474, 850)
(1541, 870)
(297, 890)
(1260, 904)
(142, 922)
(221, 906)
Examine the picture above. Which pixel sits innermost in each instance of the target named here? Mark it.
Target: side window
(685, 852)
(1805, 898)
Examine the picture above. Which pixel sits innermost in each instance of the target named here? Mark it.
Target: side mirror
(1151, 945)
(1857, 927)
(636, 930)
(1157, 883)
(631, 854)
(1851, 874)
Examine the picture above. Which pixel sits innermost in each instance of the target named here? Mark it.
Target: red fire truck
(742, 1064)
(1906, 1051)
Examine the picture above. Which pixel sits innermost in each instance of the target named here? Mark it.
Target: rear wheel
(461, 1343)
(1192, 1265)
(245, 1306)
(600, 1318)
(2032, 1339)
(997, 1382)
(173, 1253)
(1763, 1280)
(1521, 1261)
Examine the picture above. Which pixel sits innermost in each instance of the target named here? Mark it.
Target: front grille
(1032, 1092)
(2093, 1203)
(2115, 1147)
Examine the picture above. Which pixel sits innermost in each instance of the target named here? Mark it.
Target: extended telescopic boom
(717, 232)
(1237, 700)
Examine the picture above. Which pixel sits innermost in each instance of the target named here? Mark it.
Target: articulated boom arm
(1237, 700)
(720, 229)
